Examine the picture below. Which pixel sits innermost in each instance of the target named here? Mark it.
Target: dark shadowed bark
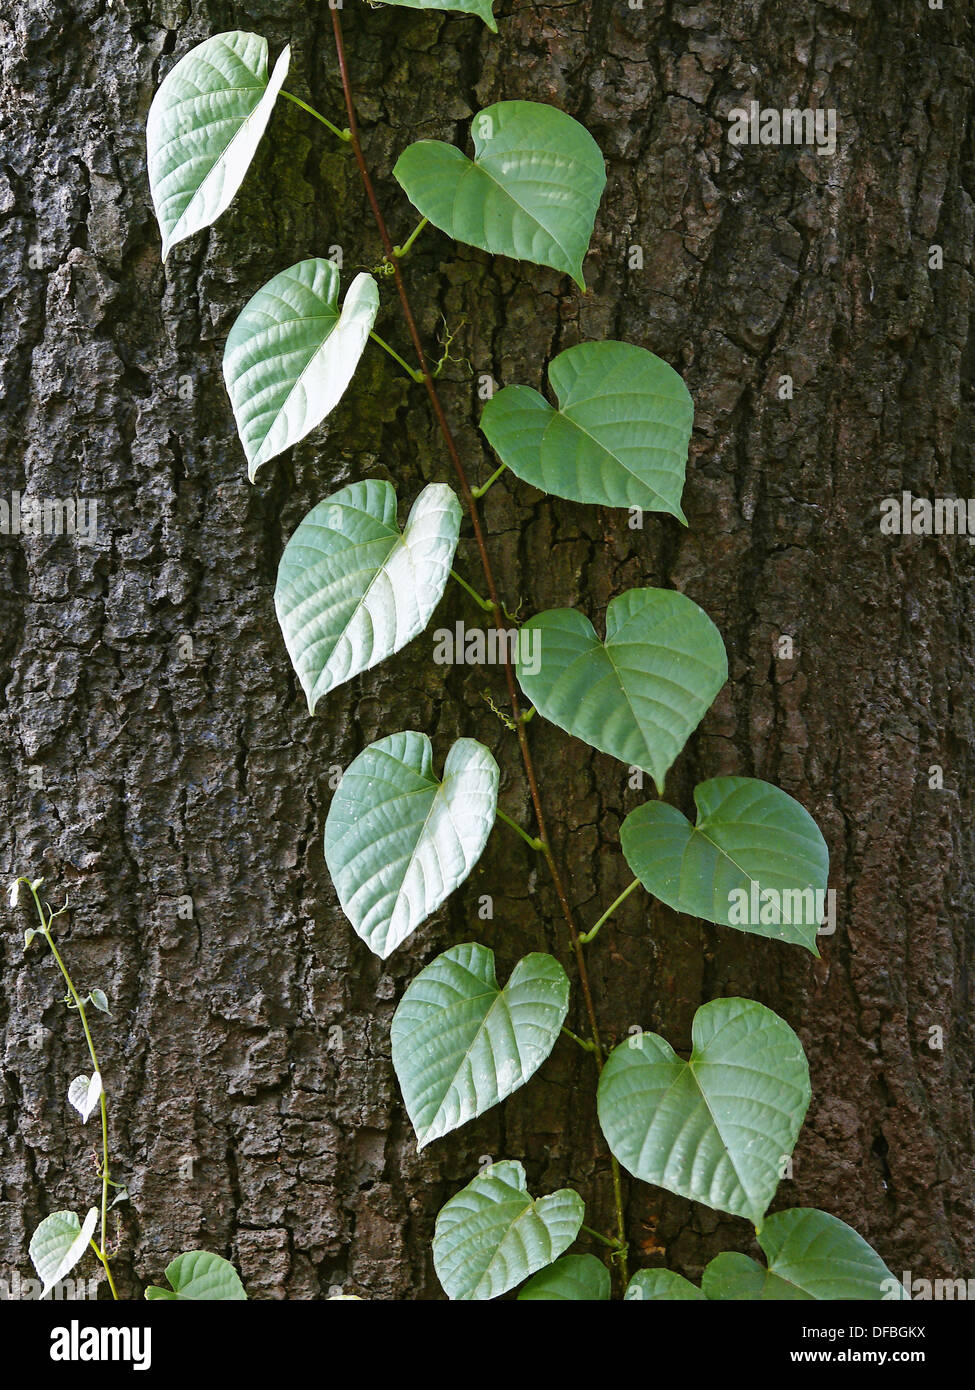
(146, 683)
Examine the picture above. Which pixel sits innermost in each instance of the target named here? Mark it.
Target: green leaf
(291, 354)
(732, 1276)
(811, 1255)
(353, 589)
(756, 859)
(83, 1093)
(460, 1044)
(398, 841)
(530, 192)
(99, 1001)
(29, 935)
(58, 1244)
(493, 1234)
(200, 1275)
(638, 696)
(205, 123)
(719, 1127)
(482, 8)
(619, 437)
(572, 1279)
(662, 1284)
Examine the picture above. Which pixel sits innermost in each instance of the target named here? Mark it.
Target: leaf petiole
(480, 491)
(344, 135)
(400, 251)
(583, 1043)
(531, 842)
(606, 1240)
(411, 371)
(587, 936)
(485, 604)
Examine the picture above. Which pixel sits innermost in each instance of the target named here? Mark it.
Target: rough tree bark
(254, 1111)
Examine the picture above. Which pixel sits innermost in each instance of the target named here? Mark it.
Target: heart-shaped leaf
(734, 1277)
(460, 1044)
(756, 859)
(83, 1094)
(531, 190)
(719, 1127)
(482, 8)
(397, 841)
(811, 1255)
(199, 1275)
(638, 696)
(99, 1000)
(353, 589)
(662, 1284)
(619, 437)
(58, 1244)
(291, 354)
(493, 1234)
(205, 123)
(571, 1279)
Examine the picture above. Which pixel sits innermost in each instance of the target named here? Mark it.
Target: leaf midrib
(499, 998)
(718, 1130)
(397, 538)
(441, 785)
(556, 414)
(306, 318)
(528, 1210)
(476, 164)
(697, 830)
(224, 154)
(688, 1065)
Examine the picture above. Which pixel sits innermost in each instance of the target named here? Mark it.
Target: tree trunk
(157, 752)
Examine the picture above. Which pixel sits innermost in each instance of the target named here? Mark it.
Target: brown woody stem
(471, 503)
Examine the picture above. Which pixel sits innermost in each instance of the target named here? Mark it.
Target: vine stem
(45, 922)
(471, 503)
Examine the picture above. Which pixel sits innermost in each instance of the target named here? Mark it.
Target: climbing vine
(355, 585)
